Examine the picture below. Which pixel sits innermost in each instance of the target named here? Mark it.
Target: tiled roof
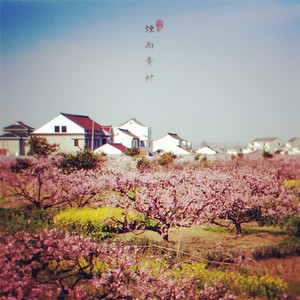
(293, 139)
(128, 133)
(83, 121)
(176, 136)
(134, 120)
(269, 139)
(118, 146)
(107, 129)
(14, 135)
(18, 126)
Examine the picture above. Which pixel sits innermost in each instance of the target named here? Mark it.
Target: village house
(271, 145)
(75, 132)
(134, 134)
(14, 139)
(79, 132)
(172, 143)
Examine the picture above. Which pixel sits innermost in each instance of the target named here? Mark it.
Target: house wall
(123, 138)
(60, 121)
(15, 146)
(276, 145)
(166, 143)
(66, 142)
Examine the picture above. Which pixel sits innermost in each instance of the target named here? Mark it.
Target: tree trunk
(165, 233)
(238, 228)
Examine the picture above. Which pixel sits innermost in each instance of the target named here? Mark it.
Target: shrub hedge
(101, 222)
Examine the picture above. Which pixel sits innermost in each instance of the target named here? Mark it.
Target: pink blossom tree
(249, 193)
(45, 185)
(56, 265)
(171, 199)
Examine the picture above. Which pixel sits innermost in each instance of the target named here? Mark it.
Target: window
(76, 143)
(63, 128)
(56, 128)
(135, 143)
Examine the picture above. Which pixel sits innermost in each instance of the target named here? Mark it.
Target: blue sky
(224, 71)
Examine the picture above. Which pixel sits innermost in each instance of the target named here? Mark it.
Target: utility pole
(93, 135)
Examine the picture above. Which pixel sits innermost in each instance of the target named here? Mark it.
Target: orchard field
(89, 227)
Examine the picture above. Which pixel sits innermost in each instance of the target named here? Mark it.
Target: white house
(292, 146)
(111, 149)
(126, 138)
(206, 150)
(139, 131)
(75, 132)
(172, 143)
(266, 144)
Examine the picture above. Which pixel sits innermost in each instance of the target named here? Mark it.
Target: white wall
(66, 142)
(60, 121)
(165, 143)
(122, 138)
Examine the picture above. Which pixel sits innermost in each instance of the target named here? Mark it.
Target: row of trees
(56, 264)
(225, 192)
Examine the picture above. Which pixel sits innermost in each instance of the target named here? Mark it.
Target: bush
(294, 186)
(286, 248)
(21, 164)
(292, 226)
(86, 160)
(40, 146)
(13, 220)
(101, 222)
(204, 161)
(237, 283)
(267, 154)
(143, 163)
(166, 158)
(133, 151)
(197, 157)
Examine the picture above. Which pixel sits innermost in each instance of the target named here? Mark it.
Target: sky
(224, 72)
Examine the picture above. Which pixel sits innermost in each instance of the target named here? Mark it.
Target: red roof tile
(120, 147)
(83, 121)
